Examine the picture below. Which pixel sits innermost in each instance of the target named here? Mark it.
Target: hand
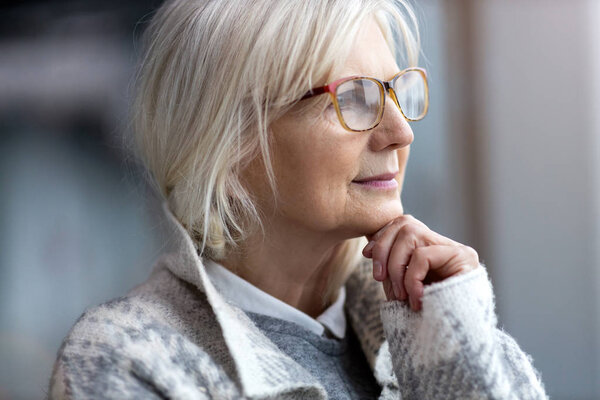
(408, 255)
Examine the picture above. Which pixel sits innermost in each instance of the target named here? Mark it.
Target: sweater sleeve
(115, 352)
(99, 376)
(451, 348)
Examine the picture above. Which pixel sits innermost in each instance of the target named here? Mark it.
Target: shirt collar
(250, 348)
(248, 297)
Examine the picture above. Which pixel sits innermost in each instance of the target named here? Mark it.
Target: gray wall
(540, 181)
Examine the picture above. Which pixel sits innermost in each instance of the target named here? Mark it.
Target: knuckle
(471, 252)
(412, 220)
(379, 233)
(396, 270)
(418, 256)
(409, 229)
(403, 219)
(419, 252)
(408, 217)
(461, 252)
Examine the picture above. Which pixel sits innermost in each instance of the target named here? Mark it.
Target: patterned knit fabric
(453, 349)
(340, 364)
(175, 337)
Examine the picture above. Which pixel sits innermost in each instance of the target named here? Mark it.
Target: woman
(271, 181)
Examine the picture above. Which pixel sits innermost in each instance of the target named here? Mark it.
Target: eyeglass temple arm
(315, 92)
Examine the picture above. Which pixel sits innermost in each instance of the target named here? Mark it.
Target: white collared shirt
(250, 298)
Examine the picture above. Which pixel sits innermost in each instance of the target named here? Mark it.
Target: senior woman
(277, 133)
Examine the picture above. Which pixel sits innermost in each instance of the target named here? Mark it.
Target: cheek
(314, 168)
(403, 154)
(369, 210)
(314, 183)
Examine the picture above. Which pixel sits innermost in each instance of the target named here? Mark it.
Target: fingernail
(396, 290)
(369, 246)
(377, 269)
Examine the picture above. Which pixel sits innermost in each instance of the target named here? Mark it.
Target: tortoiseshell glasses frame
(384, 86)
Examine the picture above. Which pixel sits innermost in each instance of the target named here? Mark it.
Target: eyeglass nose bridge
(388, 88)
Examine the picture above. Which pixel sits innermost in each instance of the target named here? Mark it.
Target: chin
(369, 221)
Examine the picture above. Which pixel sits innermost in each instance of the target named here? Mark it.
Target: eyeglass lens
(411, 93)
(359, 99)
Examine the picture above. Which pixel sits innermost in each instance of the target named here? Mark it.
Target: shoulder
(160, 340)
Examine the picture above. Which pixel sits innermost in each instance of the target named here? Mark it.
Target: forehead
(370, 55)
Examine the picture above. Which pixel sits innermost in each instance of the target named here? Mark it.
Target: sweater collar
(255, 356)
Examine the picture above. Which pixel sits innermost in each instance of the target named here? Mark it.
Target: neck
(291, 264)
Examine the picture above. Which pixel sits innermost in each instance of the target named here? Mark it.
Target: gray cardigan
(174, 336)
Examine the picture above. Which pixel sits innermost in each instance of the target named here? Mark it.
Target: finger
(442, 260)
(409, 237)
(390, 227)
(387, 288)
(398, 223)
(403, 228)
(373, 239)
(367, 249)
(380, 252)
(381, 230)
(397, 262)
(410, 229)
(415, 274)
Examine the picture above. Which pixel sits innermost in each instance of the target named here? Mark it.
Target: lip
(380, 182)
(383, 177)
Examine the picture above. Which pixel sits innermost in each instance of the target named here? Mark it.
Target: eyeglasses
(359, 100)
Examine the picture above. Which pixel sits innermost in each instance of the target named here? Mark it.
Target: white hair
(213, 76)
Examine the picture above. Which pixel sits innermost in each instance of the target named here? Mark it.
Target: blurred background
(507, 161)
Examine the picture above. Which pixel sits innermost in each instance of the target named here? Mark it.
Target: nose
(393, 132)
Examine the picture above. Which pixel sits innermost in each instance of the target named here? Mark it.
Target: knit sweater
(174, 336)
(340, 364)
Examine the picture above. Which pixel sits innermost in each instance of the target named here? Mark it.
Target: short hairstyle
(214, 74)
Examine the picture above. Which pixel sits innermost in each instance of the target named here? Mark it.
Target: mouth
(383, 181)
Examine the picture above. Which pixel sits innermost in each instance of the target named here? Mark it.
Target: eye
(345, 99)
